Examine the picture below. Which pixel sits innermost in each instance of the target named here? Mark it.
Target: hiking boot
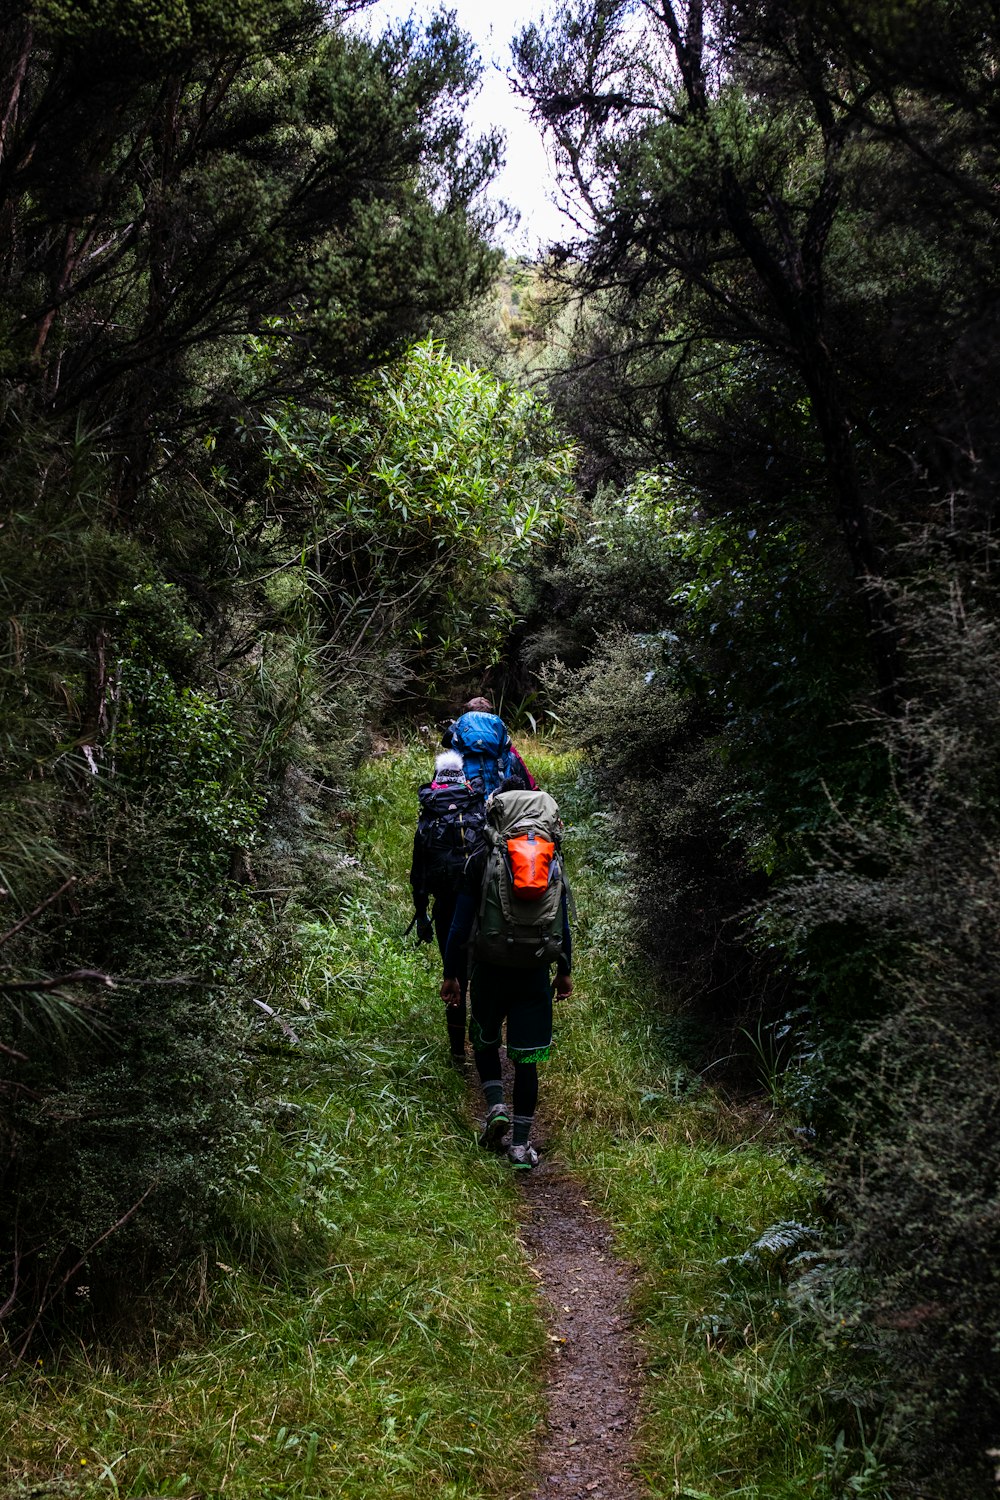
(496, 1127)
(522, 1158)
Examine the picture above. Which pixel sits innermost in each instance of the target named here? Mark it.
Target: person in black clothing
(521, 997)
(448, 832)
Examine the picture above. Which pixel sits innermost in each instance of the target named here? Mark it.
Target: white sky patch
(527, 181)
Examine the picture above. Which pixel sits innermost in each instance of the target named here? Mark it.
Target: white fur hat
(448, 760)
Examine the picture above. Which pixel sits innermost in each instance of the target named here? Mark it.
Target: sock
(524, 1101)
(488, 1068)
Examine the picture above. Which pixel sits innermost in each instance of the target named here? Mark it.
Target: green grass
(744, 1401)
(370, 1329)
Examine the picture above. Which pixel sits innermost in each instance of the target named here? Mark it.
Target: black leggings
(525, 1096)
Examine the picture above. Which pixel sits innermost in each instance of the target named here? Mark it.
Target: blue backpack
(484, 745)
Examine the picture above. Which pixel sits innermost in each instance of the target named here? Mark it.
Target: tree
(168, 189)
(178, 186)
(426, 489)
(726, 158)
(788, 247)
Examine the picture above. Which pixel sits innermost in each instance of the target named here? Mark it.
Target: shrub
(661, 770)
(919, 887)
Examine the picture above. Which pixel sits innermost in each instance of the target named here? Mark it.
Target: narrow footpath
(593, 1388)
(587, 1451)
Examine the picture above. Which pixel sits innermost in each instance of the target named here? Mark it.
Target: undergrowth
(368, 1329)
(759, 1386)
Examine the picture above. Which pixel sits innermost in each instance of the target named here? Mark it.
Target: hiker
(513, 905)
(449, 830)
(488, 753)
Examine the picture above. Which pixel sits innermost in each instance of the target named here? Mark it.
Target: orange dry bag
(530, 865)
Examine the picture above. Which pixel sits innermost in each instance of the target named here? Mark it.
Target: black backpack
(450, 828)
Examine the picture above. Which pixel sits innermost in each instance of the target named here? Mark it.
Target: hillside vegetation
(369, 1325)
(292, 464)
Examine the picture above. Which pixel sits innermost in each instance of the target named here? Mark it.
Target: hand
(564, 986)
(425, 928)
(451, 992)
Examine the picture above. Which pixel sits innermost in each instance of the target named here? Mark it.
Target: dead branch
(48, 1297)
(95, 976)
(38, 909)
(279, 1020)
(78, 976)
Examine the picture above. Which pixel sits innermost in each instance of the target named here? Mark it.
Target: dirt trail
(587, 1448)
(587, 1451)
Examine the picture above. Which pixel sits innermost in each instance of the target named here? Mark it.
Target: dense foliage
(227, 540)
(249, 503)
(435, 476)
(788, 299)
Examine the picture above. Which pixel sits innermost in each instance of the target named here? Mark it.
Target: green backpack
(520, 923)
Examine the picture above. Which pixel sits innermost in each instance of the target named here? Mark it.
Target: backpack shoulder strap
(493, 855)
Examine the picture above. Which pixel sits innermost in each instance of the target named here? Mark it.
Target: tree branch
(38, 910)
